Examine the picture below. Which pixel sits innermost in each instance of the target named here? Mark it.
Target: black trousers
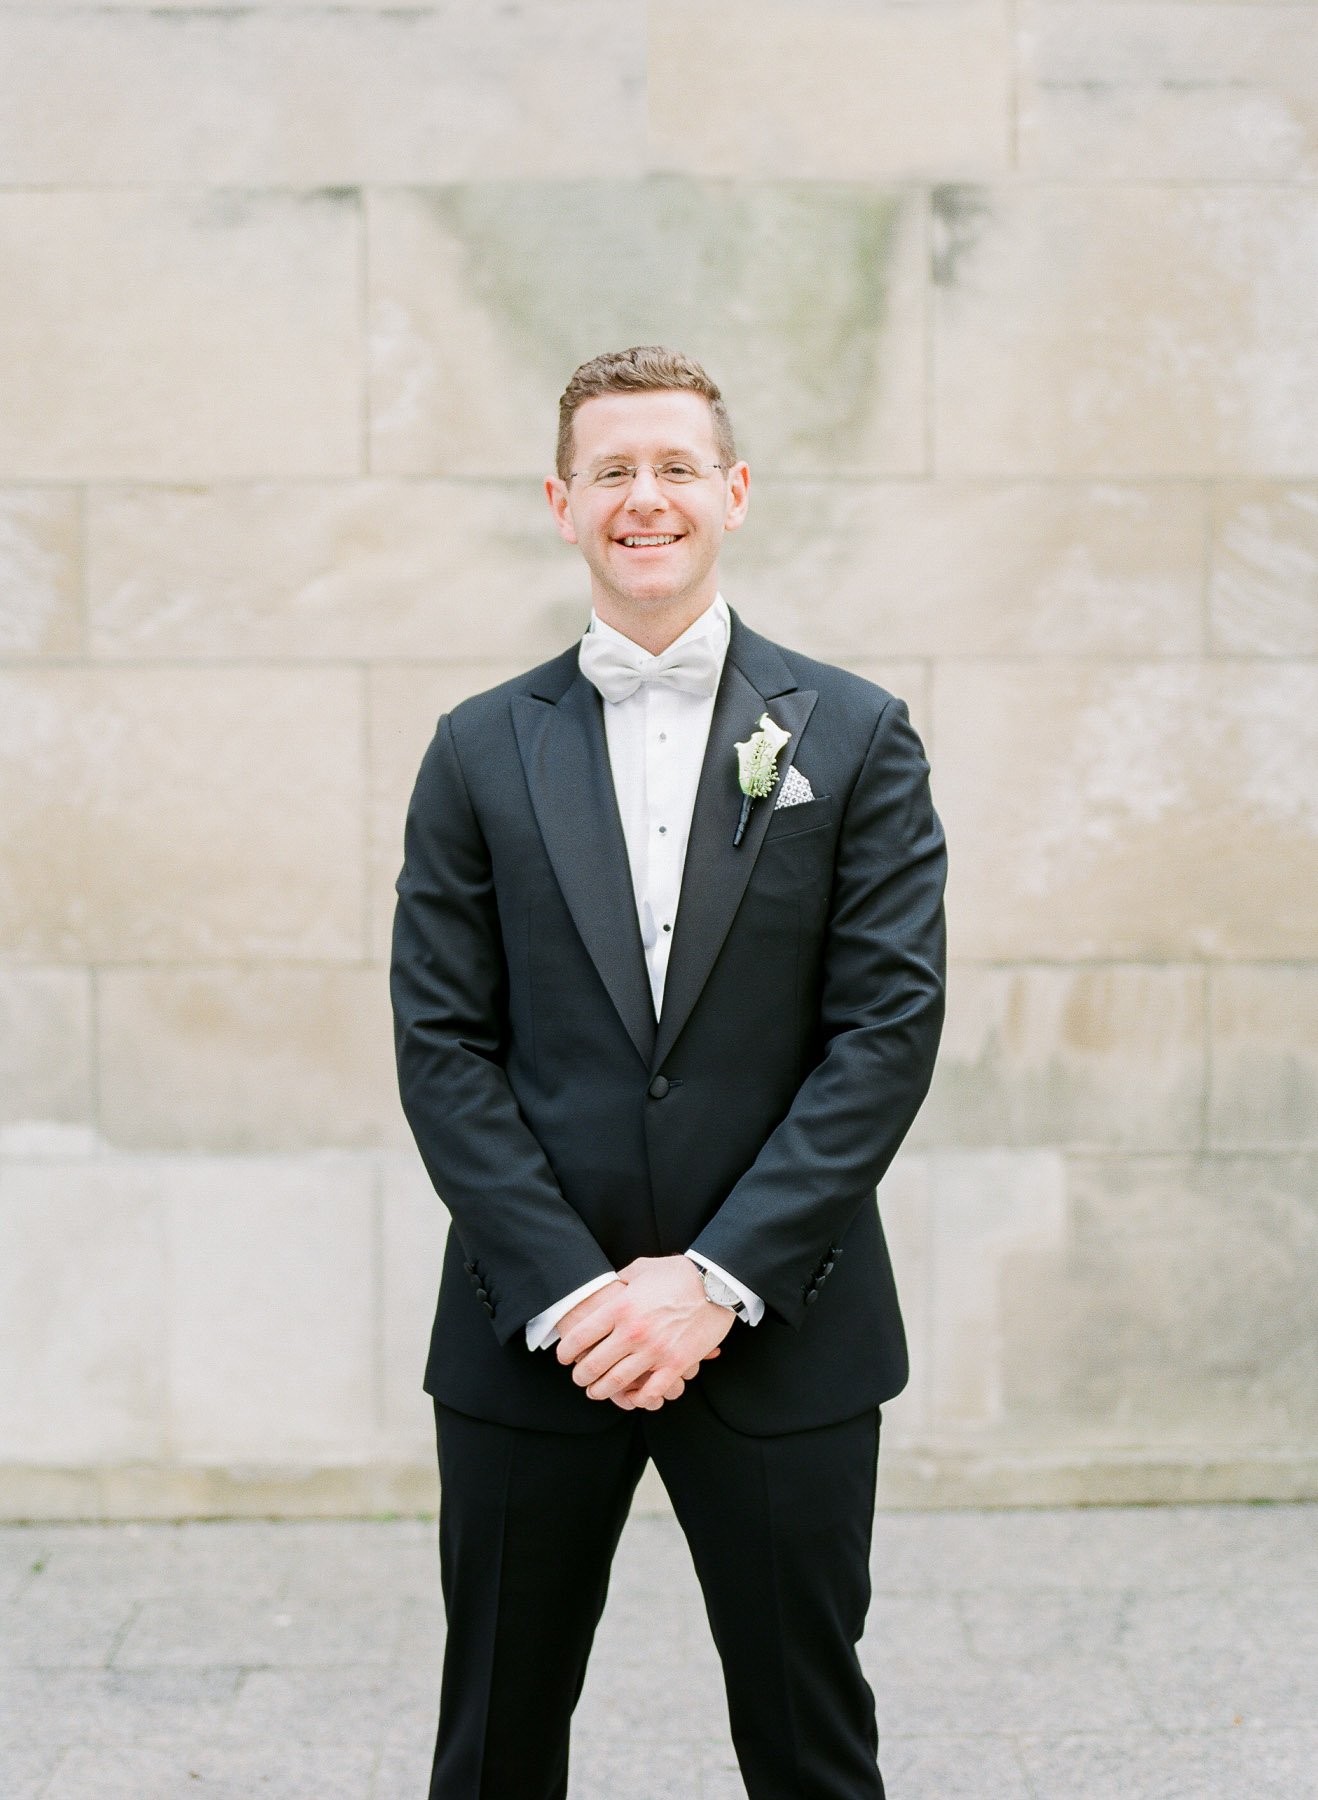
(779, 1530)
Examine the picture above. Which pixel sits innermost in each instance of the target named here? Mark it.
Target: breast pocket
(796, 821)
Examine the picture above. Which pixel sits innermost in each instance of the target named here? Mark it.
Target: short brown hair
(643, 368)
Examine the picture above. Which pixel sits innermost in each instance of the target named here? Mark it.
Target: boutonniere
(757, 767)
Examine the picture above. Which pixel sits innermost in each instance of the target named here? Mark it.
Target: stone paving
(1111, 1653)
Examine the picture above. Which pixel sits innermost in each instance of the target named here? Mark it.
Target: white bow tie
(618, 669)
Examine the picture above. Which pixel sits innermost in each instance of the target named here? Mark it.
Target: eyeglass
(677, 472)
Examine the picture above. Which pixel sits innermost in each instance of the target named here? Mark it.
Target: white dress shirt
(656, 739)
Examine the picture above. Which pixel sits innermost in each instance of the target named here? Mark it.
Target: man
(658, 1039)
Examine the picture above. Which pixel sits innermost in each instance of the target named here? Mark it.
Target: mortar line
(295, 665)
(93, 973)
(379, 1386)
(81, 502)
(364, 334)
(367, 816)
(1207, 531)
(928, 324)
(1206, 1105)
(1013, 91)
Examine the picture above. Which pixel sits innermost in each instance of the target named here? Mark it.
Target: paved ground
(1110, 1653)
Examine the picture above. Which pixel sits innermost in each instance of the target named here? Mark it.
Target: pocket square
(795, 790)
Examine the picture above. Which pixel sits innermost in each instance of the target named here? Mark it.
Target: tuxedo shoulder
(490, 707)
(859, 699)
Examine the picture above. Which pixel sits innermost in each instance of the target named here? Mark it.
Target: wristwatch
(718, 1293)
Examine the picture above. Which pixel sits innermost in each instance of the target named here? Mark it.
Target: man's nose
(646, 491)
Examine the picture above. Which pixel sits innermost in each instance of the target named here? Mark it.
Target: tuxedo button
(489, 1309)
(658, 1087)
(812, 1294)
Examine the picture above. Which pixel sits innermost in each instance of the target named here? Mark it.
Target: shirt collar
(715, 621)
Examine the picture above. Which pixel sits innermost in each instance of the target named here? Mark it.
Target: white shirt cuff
(749, 1299)
(542, 1330)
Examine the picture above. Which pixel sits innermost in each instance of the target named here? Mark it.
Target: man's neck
(652, 630)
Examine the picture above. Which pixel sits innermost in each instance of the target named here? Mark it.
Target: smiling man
(668, 986)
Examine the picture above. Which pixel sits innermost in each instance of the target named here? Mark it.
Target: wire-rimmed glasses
(673, 472)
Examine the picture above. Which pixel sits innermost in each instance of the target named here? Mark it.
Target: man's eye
(615, 472)
(678, 471)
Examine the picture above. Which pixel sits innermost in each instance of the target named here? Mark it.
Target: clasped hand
(639, 1340)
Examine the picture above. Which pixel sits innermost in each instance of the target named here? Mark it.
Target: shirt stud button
(663, 830)
(668, 928)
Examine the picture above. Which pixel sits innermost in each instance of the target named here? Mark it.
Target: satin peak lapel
(715, 874)
(566, 757)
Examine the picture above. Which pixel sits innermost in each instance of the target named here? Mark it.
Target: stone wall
(1016, 306)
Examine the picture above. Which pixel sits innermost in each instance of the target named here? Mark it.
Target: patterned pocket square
(795, 790)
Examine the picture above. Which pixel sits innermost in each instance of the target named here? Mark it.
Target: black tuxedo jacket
(568, 1132)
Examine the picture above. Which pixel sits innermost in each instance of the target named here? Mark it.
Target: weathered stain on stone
(958, 215)
(781, 286)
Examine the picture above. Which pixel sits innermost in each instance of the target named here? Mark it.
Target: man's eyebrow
(625, 456)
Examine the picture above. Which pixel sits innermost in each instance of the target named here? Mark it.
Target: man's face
(645, 430)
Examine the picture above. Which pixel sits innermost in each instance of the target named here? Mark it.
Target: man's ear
(557, 496)
(739, 481)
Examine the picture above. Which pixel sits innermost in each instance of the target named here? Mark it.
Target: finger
(710, 1354)
(619, 1378)
(583, 1333)
(595, 1364)
(661, 1386)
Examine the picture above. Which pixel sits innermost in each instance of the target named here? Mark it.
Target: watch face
(719, 1291)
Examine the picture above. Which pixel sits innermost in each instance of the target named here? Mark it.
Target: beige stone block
(1134, 329)
(45, 1060)
(160, 814)
(414, 1229)
(804, 300)
(179, 335)
(131, 6)
(1112, 1057)
(321, 96)
(1129, 810)
(1263, 586)
(272, 1308)
(843, 88)
(1169, 92)
(991, 1210)
(83, 1285)
(968, 568)
(1265, 1056)
(405, 706)
(40, 572)
(243, 1059)
(1179, 1310)
(441, 570)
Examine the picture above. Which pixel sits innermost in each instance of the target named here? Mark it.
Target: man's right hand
(592, 1319)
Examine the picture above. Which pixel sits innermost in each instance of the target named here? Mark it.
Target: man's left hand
(661, 1328)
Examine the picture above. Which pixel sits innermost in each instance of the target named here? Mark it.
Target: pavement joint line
(998, 1632)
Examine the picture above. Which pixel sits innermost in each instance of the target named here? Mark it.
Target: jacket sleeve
(448, 984)
(881, 1015)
